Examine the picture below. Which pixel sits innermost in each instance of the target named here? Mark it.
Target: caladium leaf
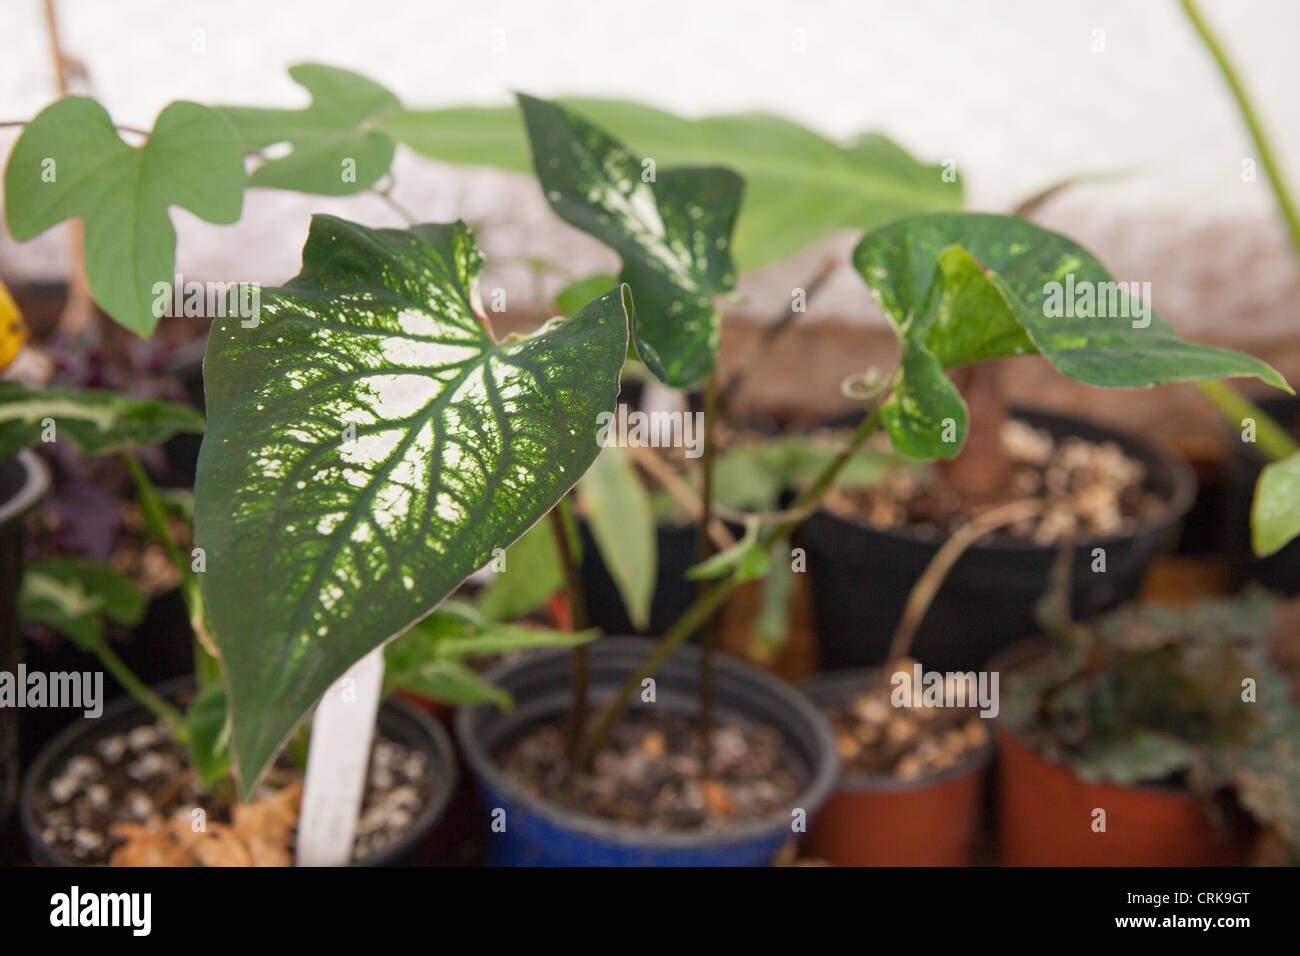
(335, 150)
(622, 521)
(964, 287)
(73, 595)
(369, 444)
(671, 226)
(925, 415)
(1275, 512)
(96, 420)
(69, 162)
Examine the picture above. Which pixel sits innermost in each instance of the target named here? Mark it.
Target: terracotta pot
(1046, 814)
(874, 821)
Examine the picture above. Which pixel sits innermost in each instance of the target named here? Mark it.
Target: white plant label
(337, 764)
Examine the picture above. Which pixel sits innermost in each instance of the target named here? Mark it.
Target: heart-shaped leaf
(671, 226)
(964, 287)
(73, 595)
(1275, 512)
(799, 186)
(368, 446)
(96, 420)
(70, 162)
(335, 151)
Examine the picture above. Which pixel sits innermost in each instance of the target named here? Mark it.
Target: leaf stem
(703, 551)
(206, 668)
(138, 689)
(703, 607)
(1265, 150)
(1271, 438)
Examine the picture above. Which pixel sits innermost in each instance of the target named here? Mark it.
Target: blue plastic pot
(537, 833)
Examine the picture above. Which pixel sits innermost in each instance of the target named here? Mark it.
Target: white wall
(1012, 89)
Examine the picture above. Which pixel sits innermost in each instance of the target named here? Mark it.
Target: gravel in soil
(651, 773)
(1090, 488)
(875, 738)
(139, 785)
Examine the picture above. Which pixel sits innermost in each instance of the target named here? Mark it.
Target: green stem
(206, 668)
(703, 607)
(138, 689)
(1265, 151)
(704, 550)
(1270, 437)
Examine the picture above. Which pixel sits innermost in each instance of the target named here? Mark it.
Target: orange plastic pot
(1047, 813)
(875, 821)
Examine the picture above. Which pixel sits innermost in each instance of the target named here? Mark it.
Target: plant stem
(1265, 151)
(578, 676)
(138, 689)
(703, 607)
(703, 551)
(206, 668)
(1271, 437)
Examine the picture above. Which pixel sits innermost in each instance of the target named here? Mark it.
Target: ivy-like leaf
(964, 287)
(69, 162)
(73, 595)
(925, 415)
(96, 420)
(368, 446)
(671, 226)
(622, 520)
(335, 150)
(1275, 512)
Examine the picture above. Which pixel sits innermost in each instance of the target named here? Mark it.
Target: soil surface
(651, 773)
(1090, 489)
(874, 738)
(137, 787)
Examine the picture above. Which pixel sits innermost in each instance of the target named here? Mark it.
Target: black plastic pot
(861, 576)
(540, 834)
(398, 721)
(1281, 570)
(23, 481)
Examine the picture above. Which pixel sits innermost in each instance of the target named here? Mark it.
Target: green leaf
(69, 162)
(73, 595)
(531, 574)
(964, 287)
(1275, 512)
(799, 186)
(368, 446)
(335, 149)
(772, 622)
(617, 506)
(672, 228)
(96, 420)
(208, 734)
(577, 294)
(745, 559)
(448, 681)
(924, 415)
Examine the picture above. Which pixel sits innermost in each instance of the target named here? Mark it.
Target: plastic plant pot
(398, 721)
(1047, 815)
(24, 480)
(882, 821)
(861, 576)
(540, 834)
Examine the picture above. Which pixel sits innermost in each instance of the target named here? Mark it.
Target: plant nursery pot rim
(36, 481)
(1006, 662)
(61, 745)
(812, 796)
(824, 686)
(1176, 505)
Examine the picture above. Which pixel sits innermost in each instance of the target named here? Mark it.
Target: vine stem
(703, 607)
(138, 689)
(578, 673)
(1248, 114)
(703, 551)
(1271, 438)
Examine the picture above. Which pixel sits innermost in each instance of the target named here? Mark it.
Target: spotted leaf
(369, 445)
